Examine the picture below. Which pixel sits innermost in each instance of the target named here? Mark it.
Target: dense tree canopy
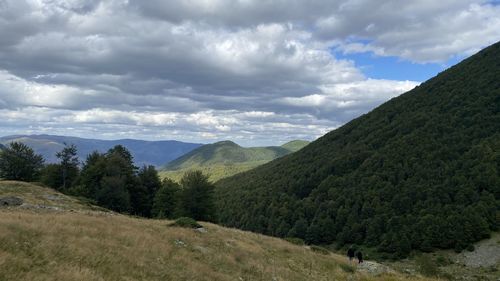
(196, 197)
(111, 180)
(165, 202)
(19, 162)
(419, 172)
(149, 183)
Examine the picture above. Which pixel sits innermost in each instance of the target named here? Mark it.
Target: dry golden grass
(78, 246)
(35, 195)
(87, 245)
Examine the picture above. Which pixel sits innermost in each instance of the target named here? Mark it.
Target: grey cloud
(429, 31)
(236, 13)
(215, 69)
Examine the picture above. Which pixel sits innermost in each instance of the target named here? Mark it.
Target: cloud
(418, 31)
(260, 72)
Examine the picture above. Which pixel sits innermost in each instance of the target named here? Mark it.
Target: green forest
(420, 172)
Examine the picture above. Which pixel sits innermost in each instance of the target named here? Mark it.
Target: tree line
(111, 180)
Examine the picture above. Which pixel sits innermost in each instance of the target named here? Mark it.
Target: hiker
(350, 253)
(359, 255)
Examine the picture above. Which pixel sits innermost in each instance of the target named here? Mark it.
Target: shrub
(443, 261)
(470, 248)
(186, 222)
(295, 240)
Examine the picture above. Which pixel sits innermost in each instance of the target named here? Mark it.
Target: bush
(186, 222)
(443, 261)
(320, 250)
(470, 248)
(295, 240)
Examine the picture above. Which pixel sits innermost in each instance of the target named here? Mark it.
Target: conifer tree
(19, 162)
(196, 198)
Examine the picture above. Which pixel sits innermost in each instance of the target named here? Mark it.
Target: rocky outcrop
(485, 254)
(374, 268)
(10, 201)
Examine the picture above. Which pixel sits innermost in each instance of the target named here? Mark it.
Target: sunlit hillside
(54, 237)
(226, 158)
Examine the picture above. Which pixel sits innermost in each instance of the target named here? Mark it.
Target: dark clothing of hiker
(359, 255)
(350, 253)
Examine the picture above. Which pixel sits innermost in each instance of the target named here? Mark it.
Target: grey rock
(203, 250)
(374, 268)
(10, 201)
(485, 254)
(201, 230)
(180, 243)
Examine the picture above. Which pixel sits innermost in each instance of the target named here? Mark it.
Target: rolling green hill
(56, 237)
(295, 145)
(420, 172)
(226, 158)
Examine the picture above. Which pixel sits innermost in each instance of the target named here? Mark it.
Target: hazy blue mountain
(145, 152)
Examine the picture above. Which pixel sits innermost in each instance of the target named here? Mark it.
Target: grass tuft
(186, 222)
(295, 240)
(319, 249)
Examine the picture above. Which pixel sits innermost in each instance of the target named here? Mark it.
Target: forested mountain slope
(419, 172)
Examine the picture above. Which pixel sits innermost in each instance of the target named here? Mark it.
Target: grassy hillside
(144, 152)
(226, 158)
(36, 197)
(295, 145)
(421, 171)
(59, 244)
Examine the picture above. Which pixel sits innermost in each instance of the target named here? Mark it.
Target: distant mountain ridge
(225, 158)
(144, 152)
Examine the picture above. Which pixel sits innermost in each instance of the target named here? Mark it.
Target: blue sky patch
(394, 68)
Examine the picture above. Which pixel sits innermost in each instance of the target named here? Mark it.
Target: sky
(258, 72)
